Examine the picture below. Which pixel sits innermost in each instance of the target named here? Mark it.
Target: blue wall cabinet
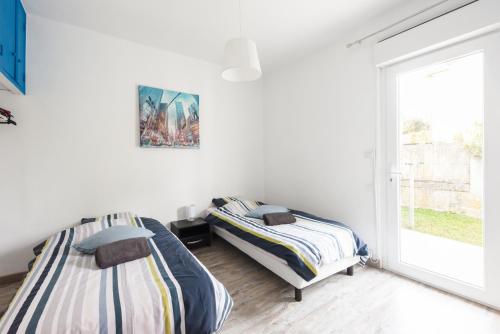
(7, 36)
(13, 45)
(20, 45)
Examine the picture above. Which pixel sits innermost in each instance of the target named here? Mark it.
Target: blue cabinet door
(8, 37)
(20, 45)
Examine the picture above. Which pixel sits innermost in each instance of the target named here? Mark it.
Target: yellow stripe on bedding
(290, 247)
(164, 296)
(132, 220)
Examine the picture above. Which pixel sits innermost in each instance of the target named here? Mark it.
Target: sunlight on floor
(447, 257)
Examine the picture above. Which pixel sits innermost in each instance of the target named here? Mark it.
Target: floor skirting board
(12, 278)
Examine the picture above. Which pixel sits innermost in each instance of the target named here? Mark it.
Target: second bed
(301, 253)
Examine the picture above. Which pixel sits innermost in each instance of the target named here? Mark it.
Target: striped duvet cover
(169, 291)
(305, 245)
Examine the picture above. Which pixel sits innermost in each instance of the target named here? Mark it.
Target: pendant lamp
(241, 60)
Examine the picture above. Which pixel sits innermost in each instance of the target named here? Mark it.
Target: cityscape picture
(168, 118)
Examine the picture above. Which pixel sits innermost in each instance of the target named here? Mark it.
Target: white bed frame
(281, 268)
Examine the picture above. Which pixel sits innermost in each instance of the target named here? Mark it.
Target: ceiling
(283, 29)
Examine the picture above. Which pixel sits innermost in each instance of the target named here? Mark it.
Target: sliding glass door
(437, 113)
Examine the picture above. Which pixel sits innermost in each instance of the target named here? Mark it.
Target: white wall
(75, 150)
(320, 117)
(319, 122)
(319, 133)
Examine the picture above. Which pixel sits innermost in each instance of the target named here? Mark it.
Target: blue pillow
(109, 235)
(261, 210)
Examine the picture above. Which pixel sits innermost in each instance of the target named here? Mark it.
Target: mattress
(279, 266)
(306, 245)
(169, 291)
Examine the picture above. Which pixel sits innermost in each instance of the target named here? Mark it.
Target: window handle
(394, 173)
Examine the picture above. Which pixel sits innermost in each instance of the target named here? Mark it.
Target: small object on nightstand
(191, 212)
(194, 233)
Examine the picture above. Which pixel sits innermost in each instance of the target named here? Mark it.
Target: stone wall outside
(446, 177)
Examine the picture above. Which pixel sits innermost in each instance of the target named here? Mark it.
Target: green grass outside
(446, 224)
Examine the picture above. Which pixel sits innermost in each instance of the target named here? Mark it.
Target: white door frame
(490, 294)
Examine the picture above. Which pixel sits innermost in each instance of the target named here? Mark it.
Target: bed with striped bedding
(306, 245)
(169, 291)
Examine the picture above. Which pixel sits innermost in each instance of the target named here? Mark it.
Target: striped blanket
(305, 245)
(169, 291)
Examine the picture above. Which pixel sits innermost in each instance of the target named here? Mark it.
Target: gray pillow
(261, 210)
(109, 235)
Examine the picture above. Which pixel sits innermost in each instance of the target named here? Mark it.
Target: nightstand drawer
(194, 233)
(197, 240)
(193, 230)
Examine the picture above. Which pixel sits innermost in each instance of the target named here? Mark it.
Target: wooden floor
(371, 302)
(7, 292)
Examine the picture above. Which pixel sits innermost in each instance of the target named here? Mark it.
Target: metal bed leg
(298, 294)
(350, 271)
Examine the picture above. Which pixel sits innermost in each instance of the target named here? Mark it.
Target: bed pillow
(279, 218)
(261, 210)
(218, 202)
(109, 235)
(121, 251)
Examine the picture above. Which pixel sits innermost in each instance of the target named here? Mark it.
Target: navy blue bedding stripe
(195, 283)
(300, 241)
(279, 250)
(22, 312)
(170, 291)
(302, 254)
(46, 294)
(171, 288)
(360, 244)
(116, 300)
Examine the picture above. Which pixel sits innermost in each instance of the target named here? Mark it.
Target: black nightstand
(194, 233)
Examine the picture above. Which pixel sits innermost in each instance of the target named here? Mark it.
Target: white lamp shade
(191, 212)
(241, 61)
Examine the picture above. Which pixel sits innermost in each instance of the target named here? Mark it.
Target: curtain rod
(359, 41)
